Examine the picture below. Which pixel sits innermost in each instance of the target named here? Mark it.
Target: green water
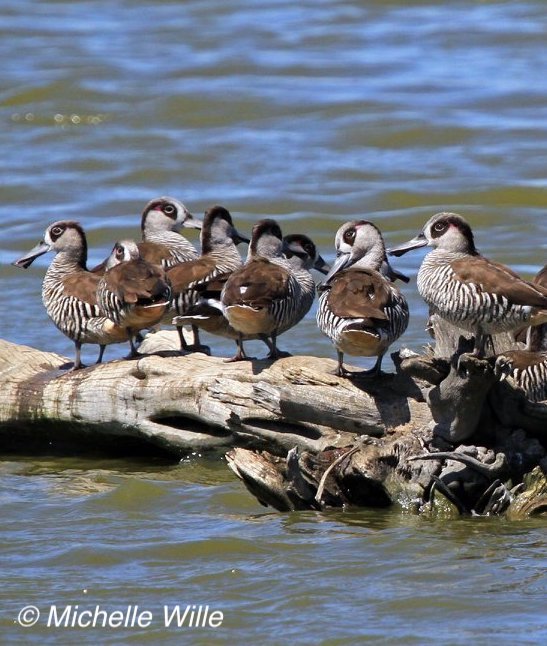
(314, 113)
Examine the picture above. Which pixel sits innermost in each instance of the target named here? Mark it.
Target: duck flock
(163, 279)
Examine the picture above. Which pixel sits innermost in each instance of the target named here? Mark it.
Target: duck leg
(133, 353)
(101, 353)
(78, 358)
(482, 342)
(274, 352)
(340, 370)
(198, 347)
(184, 347)
(240, 354)
(375, 370)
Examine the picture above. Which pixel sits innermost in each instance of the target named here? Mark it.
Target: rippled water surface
(314, 113)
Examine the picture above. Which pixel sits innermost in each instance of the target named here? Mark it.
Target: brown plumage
(496, 278)
(256, 285)
(468, 290)
(69, 290)
(360, 309)
(263, 297)
(203, 278)
(134, 293)
(360, 293)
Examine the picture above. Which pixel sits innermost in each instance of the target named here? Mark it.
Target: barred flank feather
(466, 304)
(222, 265)
(533, 380)
(397, 316)
(80, 320)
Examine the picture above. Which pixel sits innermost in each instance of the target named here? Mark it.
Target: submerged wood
(438, 436)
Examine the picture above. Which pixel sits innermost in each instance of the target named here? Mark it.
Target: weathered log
(425, 467)
(195, 402)
(300, 436)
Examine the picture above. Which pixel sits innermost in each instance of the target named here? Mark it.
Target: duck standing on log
(205, 276)
(133, 293)
(69, 290)
(468, 290)
(266, 296)
(207, 313)
(162, 243)
(360, 310)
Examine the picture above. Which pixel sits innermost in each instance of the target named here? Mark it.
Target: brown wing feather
(360, 293)
(256, 284)
(198, 271)
(137, 280)
(541, 278)
(82, 285)
(498, 279)
(154, 252)
(521, 359)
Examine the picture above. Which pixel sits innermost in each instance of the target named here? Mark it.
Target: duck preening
(203, 278)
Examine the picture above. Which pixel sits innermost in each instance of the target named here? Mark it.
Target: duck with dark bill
(468, 290)
(69, 290)
(360, 310)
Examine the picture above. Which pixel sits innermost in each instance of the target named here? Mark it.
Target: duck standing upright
(264, 297)
(207, 313)
(205, 276)
(133, 293)
(468, 290)
(69, 290)
(359, 309)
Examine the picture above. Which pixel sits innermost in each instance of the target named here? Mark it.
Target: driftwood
(298, 436)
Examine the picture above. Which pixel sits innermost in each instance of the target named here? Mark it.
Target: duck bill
(321, 266)
(191, 222)
(26, 261)
(341, 262)
(238, 238)
(415, 243)
(392, 274)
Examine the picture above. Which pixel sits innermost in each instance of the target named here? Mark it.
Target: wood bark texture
(299, 436)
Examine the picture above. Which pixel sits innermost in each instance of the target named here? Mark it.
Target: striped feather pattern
(222, 264)
(180, 249)
(80, 320)
(284, 308)
(301, 292)
(386, 332)
(533, 380)
(527, 369)
(466, 304)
